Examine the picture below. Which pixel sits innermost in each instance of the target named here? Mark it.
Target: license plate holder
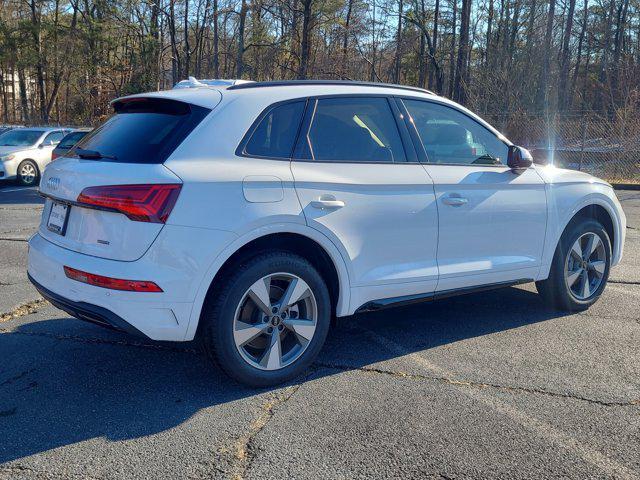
(58, 217)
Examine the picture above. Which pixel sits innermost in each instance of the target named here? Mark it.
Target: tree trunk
(345, 40)
(186, 46)
(576, 71)
(462, 70)
(563, 84)
(397, 58)
(36, 35)
(240, 53)
(452, 53)
(24, 103)
(543, 87)
(305, 46)
(436, 18)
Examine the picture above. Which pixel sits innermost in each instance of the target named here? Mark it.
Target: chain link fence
(605, 147)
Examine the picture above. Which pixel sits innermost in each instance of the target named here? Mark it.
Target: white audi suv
(247, 215)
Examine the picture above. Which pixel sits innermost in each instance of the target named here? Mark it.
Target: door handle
(327, 202)
(455, 200)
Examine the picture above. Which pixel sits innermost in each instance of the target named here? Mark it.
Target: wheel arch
(299, 239)
(597, 206)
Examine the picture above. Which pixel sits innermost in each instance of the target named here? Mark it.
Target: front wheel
(268, 319)
(28, 173)
(580, 267)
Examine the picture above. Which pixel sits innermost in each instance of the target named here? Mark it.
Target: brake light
(141, 203)
(54, 155)
(112, 283)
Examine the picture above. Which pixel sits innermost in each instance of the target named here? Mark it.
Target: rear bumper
(86, 311)
(176, 262)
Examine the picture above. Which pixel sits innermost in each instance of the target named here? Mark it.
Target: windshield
(20, 138)
(71, 139)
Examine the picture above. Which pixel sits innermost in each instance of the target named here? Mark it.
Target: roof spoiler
(193, 82)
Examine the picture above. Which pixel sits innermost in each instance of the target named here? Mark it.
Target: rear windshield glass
(20, 138)
(142, 131)
(71, 139)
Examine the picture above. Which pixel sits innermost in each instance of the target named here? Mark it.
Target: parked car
(247, 216)
(68, 141)
(6, 128)
(24, 152)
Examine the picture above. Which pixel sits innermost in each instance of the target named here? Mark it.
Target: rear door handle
(455, 200)
(327, 202)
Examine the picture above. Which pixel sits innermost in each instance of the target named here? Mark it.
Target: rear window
(71, 139)
(143, 130)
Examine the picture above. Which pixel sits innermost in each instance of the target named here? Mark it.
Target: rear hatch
(111, 195)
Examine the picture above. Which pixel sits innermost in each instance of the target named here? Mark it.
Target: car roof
(209, 94)
(41, 129)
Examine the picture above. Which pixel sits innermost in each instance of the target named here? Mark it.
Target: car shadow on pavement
(58, 388)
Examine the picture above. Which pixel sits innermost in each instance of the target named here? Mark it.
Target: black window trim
(410, 154)
(417, 141)
(241, 150)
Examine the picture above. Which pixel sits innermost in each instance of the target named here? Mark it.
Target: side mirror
(41, 145)
(519, 158)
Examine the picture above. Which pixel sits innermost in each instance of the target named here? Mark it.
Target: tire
(262, 350)
(566, 288)
(28, 173)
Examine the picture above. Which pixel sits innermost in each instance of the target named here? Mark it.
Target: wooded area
(62, 61)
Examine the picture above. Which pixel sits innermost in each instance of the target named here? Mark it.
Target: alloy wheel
(275, 321)
(585, 266)
(28, 173)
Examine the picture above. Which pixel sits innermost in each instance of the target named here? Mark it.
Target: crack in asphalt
(5, 239)
(23, 310)
(244, 449)
(624, 282)
(468, 383)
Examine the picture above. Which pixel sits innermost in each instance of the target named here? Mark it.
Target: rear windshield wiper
(93, 154)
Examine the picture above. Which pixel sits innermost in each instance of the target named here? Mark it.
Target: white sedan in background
(24, 152)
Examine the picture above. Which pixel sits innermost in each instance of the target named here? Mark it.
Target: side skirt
(384, 303)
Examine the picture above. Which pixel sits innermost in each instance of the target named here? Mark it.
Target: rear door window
(275, 135)
(143, 130)
(354, 129)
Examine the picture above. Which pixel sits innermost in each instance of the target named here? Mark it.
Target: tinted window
(354, 130)
(275, 135)
(53, 138)
(450, 136)
(143, 130)
(20, 138)
(71, 139)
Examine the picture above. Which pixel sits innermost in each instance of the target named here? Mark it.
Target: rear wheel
(580, 267)
(268, 320)
(28, 173)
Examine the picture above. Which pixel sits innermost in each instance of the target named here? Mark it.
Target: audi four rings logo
(53, 183)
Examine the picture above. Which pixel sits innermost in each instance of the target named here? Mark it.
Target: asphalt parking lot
(491, 385)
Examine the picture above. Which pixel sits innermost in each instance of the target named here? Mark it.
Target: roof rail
(193, 82)
(284, 83)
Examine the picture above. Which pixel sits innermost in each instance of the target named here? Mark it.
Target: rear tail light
(141, 203)
(54, 155)
(112, 283)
